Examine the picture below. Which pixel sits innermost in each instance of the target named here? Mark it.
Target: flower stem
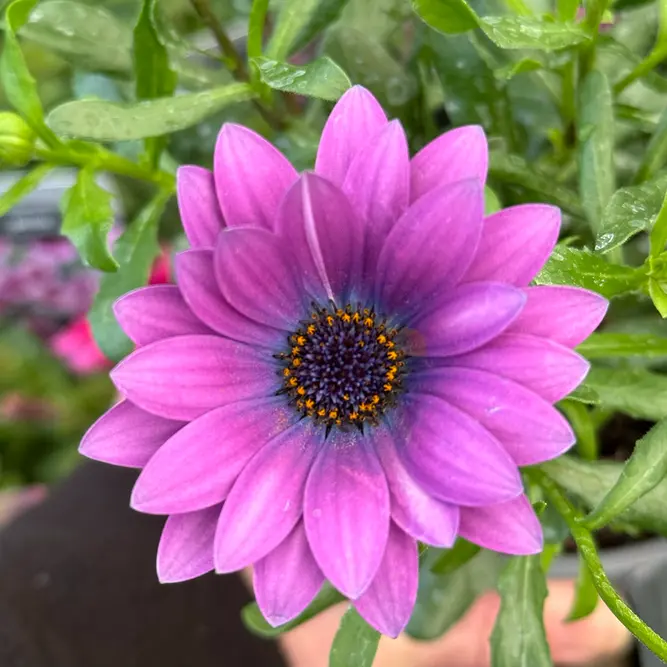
(651, 61)
(588, 552)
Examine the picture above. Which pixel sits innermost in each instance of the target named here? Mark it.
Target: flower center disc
(344, 366)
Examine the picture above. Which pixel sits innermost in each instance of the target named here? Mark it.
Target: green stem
(588, 552)
(651, 61)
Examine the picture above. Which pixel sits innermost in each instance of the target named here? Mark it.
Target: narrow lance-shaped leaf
(106, 121)
(18, 84)
(605, 345)
(596, 136)
(585, 594)
(644, 470)
(584, 394)
(87, 220)
(572, 266)
(658, 295)
(355, 643)
(630, 210)
(154, 76)
(522, 32)
(326, 13)
(292, 17)
(23, 187)
(584, 429)
(255, 622)
(447, 16)
(658, 237)
(321, 78)
(452, 559)
(518, 638)
(135, 251)
(655, 154)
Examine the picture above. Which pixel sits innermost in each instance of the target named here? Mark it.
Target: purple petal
(511, 527)
(452, 456)
(547, 368)
(469, 316)
(287, 580)
(515, 244)
(378, 186)
(356, 118)
(197, 467)
(257, 275)
(198, 204)
(566, 315)
(199, 287)
(388, 602)
(419, 514)
(319, 225)
(149, 314)
(454, 156)
(185, 377)
(266, 502)
(430, 247)
(251, 177)
(346, 512)
(529, 427)
(186, 546)
(127, 436)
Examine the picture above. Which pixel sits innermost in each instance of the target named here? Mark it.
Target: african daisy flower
(351, 361)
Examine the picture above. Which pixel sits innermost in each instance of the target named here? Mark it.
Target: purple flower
(352, 361)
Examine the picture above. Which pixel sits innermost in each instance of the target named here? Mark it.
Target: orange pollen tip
(310, 404)
(387, 387)
(286, 372)
(392, 356)
(321, 412)
(301, 391)
(293, 382)
(296, 362)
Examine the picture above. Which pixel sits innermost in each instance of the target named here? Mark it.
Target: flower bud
(17, 140)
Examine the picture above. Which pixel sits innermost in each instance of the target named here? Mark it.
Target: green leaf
(106, 121)
(452, 559)
(584, 394)
(355, 643)
(590, 481)
(135, 251)
(154, 76)
(514, 170)
(321, 78)
(643, 471)
(584, 428)
(567, 9)
(87, 220)
(255, 622)
(522, 32)
(519, 638)
(655, 154)
(447, 16)
(519, 67)
(18, 84)
(585, 595)
(326, 13)
(634, 391)
(658, 236)
(658, 296)
(491, 202)
(630, 210)
(605, 345)
(460, 588)
(23, 187)
(596, 145)
(88, 35)
(256, 23)
(571, 266)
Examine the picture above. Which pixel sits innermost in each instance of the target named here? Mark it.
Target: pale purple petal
(199, 207)
(454, 156)
(266, 502)
(287, 579)
(511, 527)
(356, 118)
(547, 368)
(388, 602)
(515, 244)
(127, 436)
(430, 247)
(378, 186)
(466, 318)
(186, 546)
(346, 512)
(417, 512)
(185, 377)
(566, 315)
(452, 456)
(199, 287)
(197, 467)
(257, 275)
(528, 427)
(317, 222)
(251, 177)
(149, 314)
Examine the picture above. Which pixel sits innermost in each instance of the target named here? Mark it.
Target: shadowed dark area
(78, 589)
